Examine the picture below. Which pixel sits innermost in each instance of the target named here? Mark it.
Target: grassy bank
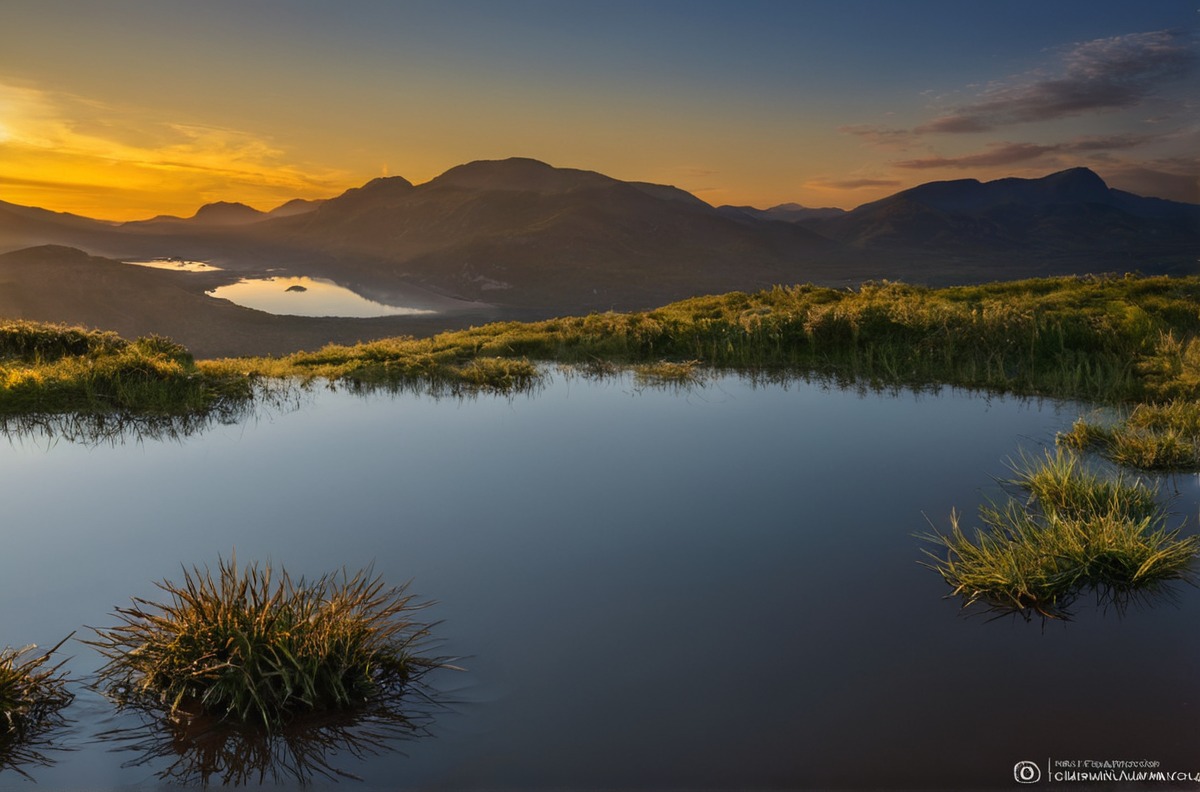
(1117, 341)
(1110, 339)
(51, 369)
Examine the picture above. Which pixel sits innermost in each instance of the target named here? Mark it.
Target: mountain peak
(227, 213)
(520, 174)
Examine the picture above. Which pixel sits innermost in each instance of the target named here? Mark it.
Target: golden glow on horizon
(67, 153)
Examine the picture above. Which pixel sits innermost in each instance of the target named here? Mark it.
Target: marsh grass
(1101, 338)
(51, 369)
(33, 693)
(1162, 436)
(1075, 531)
(251, 646)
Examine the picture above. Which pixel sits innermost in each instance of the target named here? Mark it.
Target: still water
(716, 588)
(304, 296)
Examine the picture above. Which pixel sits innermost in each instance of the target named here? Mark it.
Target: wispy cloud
(1005, 153)
(54, 141)
(1103, 74)
(852, 184)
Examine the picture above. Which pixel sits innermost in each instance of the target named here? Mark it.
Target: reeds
(248, 645)
(33, 693)
(1151, 437)
(50, 369)
(1075, 532)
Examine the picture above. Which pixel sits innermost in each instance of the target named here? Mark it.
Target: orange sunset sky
(128, 109)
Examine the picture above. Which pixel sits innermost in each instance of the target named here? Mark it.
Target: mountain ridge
(535, 241)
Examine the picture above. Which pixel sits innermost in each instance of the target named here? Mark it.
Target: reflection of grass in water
(1114, 340)
(1152, 436)
(251, 646)
(1077, 532)
(202, 750)
(47, 369)
(32, 696)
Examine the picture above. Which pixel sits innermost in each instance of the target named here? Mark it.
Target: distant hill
(534, 241)
(24, 226)
(785, 212)
(525, 234)
(1072, 213)
(294, 207)
(227, 213)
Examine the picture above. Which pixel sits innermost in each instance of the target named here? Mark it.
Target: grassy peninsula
(1117, 342)
(1128, 345)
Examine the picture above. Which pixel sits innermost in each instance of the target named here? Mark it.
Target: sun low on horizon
(131, 109)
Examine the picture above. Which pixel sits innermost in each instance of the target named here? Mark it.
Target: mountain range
(519, 238)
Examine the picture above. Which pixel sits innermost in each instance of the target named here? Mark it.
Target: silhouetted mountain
(227, 213)
(526, 234)
(785, 212)
(534, 241)
(1070, 213)
(294, 207)
(25, 226)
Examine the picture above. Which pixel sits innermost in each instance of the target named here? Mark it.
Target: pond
(711, 588)
(305, 296)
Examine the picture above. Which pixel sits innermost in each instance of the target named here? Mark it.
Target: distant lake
(176, 265)
(715, 588)
(304, 296)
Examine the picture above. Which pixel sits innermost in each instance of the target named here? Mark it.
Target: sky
(126, 109)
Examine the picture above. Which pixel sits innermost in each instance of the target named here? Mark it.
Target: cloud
(56, 143)
(996, 154)
(879, 136)
(1104, 74)
(852, 184)
(1005, 153)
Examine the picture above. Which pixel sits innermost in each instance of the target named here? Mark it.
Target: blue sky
(127, 108)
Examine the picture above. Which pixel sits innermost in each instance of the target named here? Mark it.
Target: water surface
(712, 589)
(304, 296)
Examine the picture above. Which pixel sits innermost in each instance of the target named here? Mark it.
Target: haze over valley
(520, 239)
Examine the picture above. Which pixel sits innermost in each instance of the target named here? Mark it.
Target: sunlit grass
(1075, 532)
(50, 369)
(1151, 437)
(250, 645)
(33, 693)
(1109, 340)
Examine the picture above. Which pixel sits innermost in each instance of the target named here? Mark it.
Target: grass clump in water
(1075, 532)
(1152, 437)
(32, 696)
(254, 647)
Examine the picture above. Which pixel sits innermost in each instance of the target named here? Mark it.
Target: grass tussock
(1075, 532)
(1150, 437)
(49, 369)
(33, 693)
(250, 646)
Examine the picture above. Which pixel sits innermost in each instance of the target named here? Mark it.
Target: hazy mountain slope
(523, 233)
(23, 226)
(59, 284)
(1070, 213)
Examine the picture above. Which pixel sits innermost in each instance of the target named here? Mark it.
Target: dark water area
(709, 589)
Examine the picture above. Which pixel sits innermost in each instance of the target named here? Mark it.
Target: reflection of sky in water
(320, 297)
(711, 589)
(177, 265)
